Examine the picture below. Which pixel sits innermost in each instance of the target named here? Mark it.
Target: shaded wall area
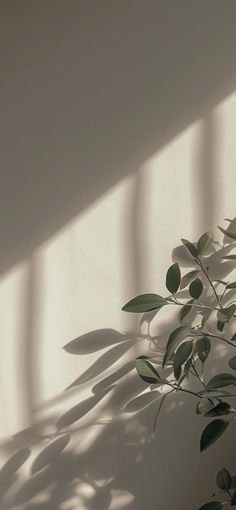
(116, 141)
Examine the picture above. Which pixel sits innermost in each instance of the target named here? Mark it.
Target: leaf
(233, 500)
(233, 482)
(204, 406)
(203, 242)
(220, 325)
(219, 410)
(225, 314)
(212, 432)
(178, 333)
(187, 278)
(190, 247)
(232, 363)
(223, 479)
(185, 310)
(203, 346)
(229, 257)
(196, 288)
(213, 505)
(173, 278)
(227, 233)
(231, 285)
(221, 380)
(182, 354)
(147, 372)
(50, 453)
(233, 339)
(144, 303)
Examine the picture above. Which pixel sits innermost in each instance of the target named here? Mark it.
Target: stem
(220, 338)
(159, 409)
(198, 376)
(209, 280)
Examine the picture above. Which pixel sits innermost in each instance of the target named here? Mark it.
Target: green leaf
(229, 257)
(223, 479)
(233, 482)
(212, 432)
(221, 380)
(227, 233)
(225, 314)
(182, 354)
(233, 500)
(203, 242)
(220, 325)
(177, 334)
(190, 247)
(173, 278)
(144, 303)
(147, 372)
(231, 285)
(213, 505)
(233, 339)
(196, 288)
(204, 405)
(232, 363)
(187, 278)
(219, 410)
(203, 346)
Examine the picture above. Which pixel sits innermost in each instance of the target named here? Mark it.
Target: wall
(117, 139)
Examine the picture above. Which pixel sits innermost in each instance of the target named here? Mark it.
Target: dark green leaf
(187, 278)
(190, 247)
(221, 380)
(213, 505)
(203, 242)
(212, 432)
(219, 410)
(225, 314)
(144, 303)
(232, 363)
(203, 346)
(182, 354)
(173, 278)
(233, 339)
(229, 257)
(233, 500)
(187, 365)
(147, 372)
(220, 325)
(227, 233)
(177, 334)
(223, 479)
(204, 405)
(196, 288)
(233, 482)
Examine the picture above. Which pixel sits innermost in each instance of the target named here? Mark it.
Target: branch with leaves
(189, 345)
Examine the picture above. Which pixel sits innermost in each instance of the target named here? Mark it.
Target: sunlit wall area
(77, 281)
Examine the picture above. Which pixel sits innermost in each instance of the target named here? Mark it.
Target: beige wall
(117, 139)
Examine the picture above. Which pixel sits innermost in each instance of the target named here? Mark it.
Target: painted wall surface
(118, 123)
